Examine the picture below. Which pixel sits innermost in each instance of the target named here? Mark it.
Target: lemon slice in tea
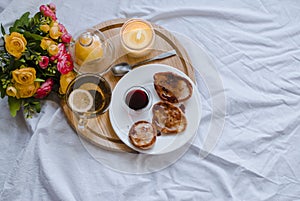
(80, 100)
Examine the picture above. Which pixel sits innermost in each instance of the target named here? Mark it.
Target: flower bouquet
(34, 60)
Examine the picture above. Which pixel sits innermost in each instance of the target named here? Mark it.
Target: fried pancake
(172, 87)
(168, 118)
(142, 134)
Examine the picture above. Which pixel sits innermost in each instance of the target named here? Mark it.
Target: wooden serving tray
(99, 130)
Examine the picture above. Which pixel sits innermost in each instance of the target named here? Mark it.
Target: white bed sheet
(254, 47)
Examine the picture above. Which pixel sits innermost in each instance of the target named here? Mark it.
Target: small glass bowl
(91, 51)
(137, 100)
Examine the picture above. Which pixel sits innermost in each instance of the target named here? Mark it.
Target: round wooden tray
(99, 130)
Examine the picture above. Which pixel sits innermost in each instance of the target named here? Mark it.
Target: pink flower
(61, 51)
(53, 17)
(66, 38)
(64, 63)
(44, 62)
(53, 58)
(52, 6)
(43, 8)
(47, 12)
(62, 48)
(44, 89)
(62, 28)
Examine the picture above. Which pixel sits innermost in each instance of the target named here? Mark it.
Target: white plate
(121, 120)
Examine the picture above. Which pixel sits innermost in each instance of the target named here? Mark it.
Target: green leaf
(12, 29)
(37, 107)
(24, 18)
(39, 80)
(27, 34)
(37, 17)
(2, 92)
(14, 105)
(2, 30)
(20, 23)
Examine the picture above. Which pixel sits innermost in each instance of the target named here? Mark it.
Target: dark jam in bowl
(137, 99)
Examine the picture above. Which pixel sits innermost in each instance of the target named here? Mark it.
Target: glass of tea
(137, 99)
(88, 95)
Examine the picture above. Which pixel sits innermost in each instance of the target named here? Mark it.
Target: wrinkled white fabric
(254, 46)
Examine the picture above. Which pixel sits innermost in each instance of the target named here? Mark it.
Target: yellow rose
(46, 42)
(65, 80)
(11, 91)
(45, 28)
(15, 44)
(53, 49)
(54, 24)
(26, 91)
(24, 76)
(54, 32)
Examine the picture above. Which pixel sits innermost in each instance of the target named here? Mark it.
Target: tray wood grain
(99, 130)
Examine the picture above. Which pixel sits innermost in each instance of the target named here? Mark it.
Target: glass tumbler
(88, 95)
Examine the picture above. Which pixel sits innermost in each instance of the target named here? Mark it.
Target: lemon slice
(80, 100)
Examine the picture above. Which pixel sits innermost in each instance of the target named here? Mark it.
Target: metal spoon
(123, 68)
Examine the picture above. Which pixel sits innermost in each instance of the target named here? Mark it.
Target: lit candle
(137, 37)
